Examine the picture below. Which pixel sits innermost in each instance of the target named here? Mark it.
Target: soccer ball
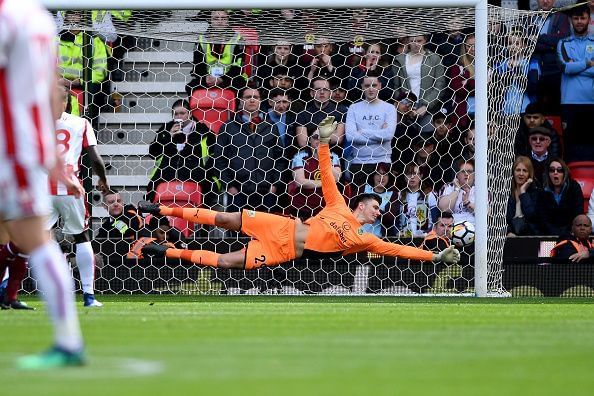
(463, 233)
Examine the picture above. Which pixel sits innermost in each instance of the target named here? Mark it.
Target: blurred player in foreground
(27, 146)
(333, 232)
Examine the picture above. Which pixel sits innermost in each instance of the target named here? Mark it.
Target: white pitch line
(97, 367)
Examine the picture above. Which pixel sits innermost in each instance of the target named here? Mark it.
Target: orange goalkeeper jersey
(336, 230)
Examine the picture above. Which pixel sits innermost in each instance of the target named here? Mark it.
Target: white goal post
(481, 78)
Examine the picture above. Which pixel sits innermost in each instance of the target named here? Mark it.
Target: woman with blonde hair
(523, 203)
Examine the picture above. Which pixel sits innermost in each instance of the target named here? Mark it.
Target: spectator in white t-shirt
(370, 127)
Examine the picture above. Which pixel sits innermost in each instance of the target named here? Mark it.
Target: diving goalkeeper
(335, 231)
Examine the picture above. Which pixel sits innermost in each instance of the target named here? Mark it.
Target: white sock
(55, 282)
(85, 261)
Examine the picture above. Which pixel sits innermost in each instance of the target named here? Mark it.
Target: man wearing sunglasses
(539, 139)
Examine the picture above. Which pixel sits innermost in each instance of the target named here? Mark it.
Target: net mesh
(155, 58)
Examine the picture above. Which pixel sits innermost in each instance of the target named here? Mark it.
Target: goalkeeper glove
(326, 129)
(149, 207)
(450, 255)
(154, 250)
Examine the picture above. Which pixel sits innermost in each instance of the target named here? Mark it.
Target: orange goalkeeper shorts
(273, 240)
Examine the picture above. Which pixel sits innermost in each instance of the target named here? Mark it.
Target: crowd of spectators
(405, 112)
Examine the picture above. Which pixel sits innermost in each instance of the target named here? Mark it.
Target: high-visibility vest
(71, 59)
(122, 15)
(74, 106)
(219, 65)
(579, 247)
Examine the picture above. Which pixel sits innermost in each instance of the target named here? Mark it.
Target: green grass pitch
(251, 345)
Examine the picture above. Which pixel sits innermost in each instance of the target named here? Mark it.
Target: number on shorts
(260, 260)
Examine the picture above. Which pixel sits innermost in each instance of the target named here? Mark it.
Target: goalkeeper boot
(89, 301)
(149, 207)
(56, 357)
(154, 250)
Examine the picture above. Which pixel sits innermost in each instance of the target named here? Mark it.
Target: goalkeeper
(333, 232)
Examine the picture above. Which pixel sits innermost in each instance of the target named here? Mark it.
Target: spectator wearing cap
(539, 139)
(576, 58)
(369, 129)
(562, 199)
(534, 117)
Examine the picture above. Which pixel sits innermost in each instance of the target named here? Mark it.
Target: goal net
(164, 91)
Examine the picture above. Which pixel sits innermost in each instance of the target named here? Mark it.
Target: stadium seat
(556, 123)
(212, 106)
(179, 194)
(581, 169)
(587, 184)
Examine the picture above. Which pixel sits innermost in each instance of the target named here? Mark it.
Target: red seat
(556, 123)
(212, 106)
(587, 185)
(581, 169)
(179, 194)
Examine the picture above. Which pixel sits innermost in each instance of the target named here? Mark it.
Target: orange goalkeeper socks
(194, 215)
(200, 257)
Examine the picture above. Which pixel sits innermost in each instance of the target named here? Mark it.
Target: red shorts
(273, 240)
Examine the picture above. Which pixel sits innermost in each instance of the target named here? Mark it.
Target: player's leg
(24, 209)
(55, 282)
(85, 261)
(15, 261)
(229, 221)
(4, 240)
(273, 244)
(73, 212)
(200, 257)
(17, 267)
